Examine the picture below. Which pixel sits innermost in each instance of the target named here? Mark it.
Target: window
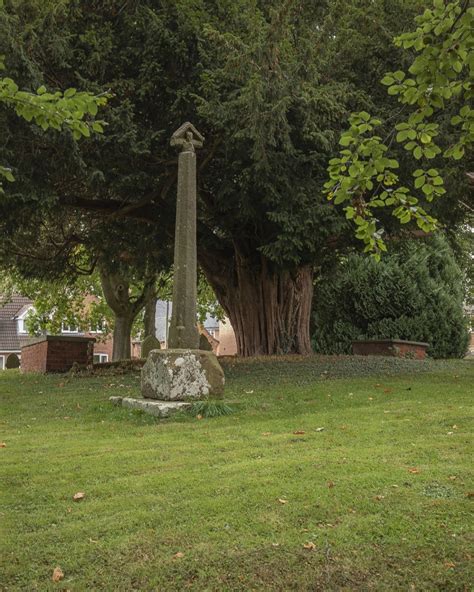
(98, 327)
(2, 362)
(22, 318)
(100, 358)
(65, 328)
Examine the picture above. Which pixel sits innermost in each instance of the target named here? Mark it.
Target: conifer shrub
(415, 293)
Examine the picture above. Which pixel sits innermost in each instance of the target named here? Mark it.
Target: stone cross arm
(187, 138)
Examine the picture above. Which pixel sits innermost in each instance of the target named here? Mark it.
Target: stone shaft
(183, 332)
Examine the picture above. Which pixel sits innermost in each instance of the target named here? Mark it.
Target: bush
(415, 293)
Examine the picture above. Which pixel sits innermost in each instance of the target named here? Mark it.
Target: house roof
(8, 335)
(11, 306)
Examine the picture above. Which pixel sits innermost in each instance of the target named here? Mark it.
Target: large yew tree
(269, 83)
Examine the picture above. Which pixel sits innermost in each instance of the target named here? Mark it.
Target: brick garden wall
(33, 357)
(56, 354)
(388, 347)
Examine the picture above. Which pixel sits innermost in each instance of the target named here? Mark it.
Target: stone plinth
(182, 375)
(156, 408)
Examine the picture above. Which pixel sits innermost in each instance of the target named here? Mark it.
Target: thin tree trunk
(122, 338)
(269, 309)
(149, 320)
(116, 291)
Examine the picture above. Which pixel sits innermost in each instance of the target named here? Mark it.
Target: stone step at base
(152, 407)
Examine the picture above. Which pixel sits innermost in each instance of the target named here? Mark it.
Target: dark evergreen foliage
(416, 293)
(269, 83)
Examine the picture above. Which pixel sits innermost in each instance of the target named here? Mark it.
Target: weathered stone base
(182, 375)
(150, 406)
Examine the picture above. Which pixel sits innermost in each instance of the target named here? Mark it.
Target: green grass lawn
(381, 497)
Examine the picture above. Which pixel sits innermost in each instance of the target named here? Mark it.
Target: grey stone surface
(204, 343)
(183, 332)
(156, 408)
(181, 375)
(149, 343)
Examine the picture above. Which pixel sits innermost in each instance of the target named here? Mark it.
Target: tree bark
(149, 320)
(269, 309)
(116, 291)
(122, 349)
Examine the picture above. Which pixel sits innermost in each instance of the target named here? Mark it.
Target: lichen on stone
(180, 375)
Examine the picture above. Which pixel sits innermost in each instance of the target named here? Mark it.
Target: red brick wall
(56, 354)
(33, 357)
(227, 342)
(390, 348)
(102, 347)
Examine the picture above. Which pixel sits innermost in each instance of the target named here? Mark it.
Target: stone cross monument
(172, 378)
(183, 331)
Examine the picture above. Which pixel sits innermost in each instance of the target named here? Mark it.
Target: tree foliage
(58, 110)
(268, 83)
(416, 292)
(440, 80)
(78, 302)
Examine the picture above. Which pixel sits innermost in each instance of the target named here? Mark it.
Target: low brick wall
(53, 353)
(390, 347)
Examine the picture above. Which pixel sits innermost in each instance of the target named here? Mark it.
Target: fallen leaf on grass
(78, 496)
(282, 501)
(198, 416)
(330, 484)
(414, 471)
(319, 430)
(93, 541)
(266, 433)
(469, 494)
(275, 544)
(310, 546)
(449, 565)
(178, 555)
(69, 510)
(248, 392)
(299, 432)
(452, 478)
(388, 390)
(58, 574)
(3, 445)
(379, 497)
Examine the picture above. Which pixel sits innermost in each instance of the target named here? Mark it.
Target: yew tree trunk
(269, 308)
